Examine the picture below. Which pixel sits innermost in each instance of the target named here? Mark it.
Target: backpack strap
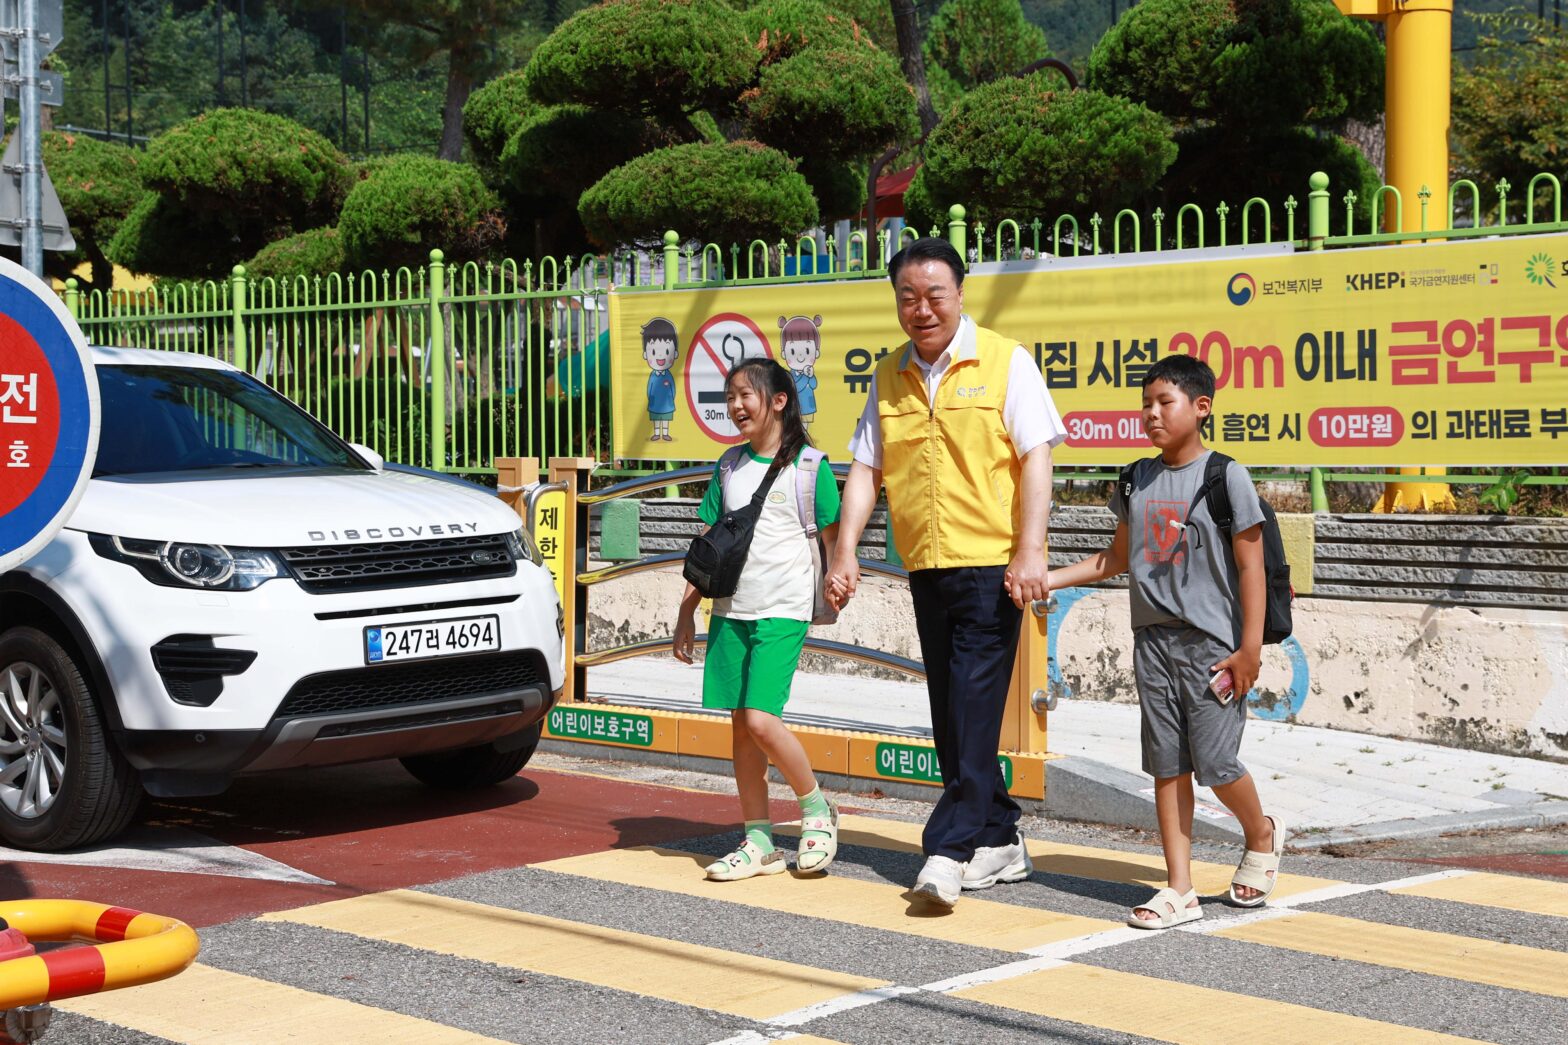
(807, 466)
(1125, 483)
(1215, 490)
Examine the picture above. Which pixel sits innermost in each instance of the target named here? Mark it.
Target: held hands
(1026, 577)
(685, 636)
(842, 580)
(1244, 665)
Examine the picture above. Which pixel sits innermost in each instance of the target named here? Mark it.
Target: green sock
(814, 804)
(760, 834)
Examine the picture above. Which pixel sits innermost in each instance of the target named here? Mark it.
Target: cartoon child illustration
(802, 347)
(659, 352)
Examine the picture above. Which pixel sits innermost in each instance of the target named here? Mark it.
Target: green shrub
(780, 29)
(977, 41)
(561, 150)
(99, 183)
(729, 193)
(493, 114)
(318, 252)
(833, 102)
(415, 204)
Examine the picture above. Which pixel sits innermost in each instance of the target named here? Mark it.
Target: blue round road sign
(48, 414)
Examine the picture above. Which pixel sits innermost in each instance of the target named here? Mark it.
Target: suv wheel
(63, 783)
(469, 767)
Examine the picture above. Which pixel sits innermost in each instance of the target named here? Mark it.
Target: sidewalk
(1329, 786)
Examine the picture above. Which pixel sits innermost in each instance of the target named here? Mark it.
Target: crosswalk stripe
(1418, 950)
(1182, 1013)
(201, 1006)
(689, 974)
(1530, 895)
(871, 905)
(1077, 861)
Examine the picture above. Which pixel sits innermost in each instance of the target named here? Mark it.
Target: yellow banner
(1435, 354)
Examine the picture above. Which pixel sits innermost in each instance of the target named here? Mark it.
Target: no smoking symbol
(719, 346)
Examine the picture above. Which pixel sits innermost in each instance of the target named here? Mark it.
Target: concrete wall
(1489, 678)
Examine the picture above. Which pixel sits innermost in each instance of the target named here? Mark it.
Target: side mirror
(369, 456)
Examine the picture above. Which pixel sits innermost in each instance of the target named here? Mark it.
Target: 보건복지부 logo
(1241, 289)
(1539, 269)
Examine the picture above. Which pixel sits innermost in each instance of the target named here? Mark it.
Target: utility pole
(32, 150)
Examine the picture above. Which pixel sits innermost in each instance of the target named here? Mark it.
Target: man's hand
(1025, 579)
(685, 637)
(1244, 665)
(842, 580)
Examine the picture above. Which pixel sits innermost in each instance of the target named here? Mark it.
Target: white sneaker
(998, 863)
(941, 880)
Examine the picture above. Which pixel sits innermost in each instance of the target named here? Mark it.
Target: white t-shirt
(778, 579)
(1028, 411)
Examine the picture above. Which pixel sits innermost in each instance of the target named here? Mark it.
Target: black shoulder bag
(715, 559)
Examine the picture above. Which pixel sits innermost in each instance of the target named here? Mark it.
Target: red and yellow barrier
(129, 948)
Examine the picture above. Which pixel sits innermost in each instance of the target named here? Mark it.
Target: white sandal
(818, 841)
(746, 862)
(1169, 909)
(1254, 870)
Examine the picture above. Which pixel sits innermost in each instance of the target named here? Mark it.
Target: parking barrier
(865, 758)
(129, 948)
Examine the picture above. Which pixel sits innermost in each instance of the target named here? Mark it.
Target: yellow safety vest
(950, 470)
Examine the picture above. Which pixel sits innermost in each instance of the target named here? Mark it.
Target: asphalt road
(568, 906)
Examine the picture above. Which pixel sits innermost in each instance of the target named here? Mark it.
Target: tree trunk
(906, 25)
(459, 85)
(1371, 139)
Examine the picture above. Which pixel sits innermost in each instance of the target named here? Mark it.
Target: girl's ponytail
(768, 377)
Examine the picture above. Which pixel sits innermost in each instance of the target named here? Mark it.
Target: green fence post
(1317, 211)
(73, 298)
(1319, 493)
(240, 356)
(437, 356)
(957, 231)
(672, 259)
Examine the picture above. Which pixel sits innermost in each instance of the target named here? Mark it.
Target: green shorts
(751, 663)
(663, 416)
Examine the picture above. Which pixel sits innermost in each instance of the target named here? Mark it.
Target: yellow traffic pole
(1418, 36)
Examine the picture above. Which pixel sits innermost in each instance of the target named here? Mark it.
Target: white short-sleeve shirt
(1028, 412)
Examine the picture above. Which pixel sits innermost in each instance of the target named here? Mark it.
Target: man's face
(930, 305)
(659, 352)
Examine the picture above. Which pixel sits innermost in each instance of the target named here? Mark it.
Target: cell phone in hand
(1222, 687)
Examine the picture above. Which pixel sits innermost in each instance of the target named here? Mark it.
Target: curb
(1541, 814)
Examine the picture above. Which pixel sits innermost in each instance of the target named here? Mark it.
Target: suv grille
(405, 685)
(398, 564)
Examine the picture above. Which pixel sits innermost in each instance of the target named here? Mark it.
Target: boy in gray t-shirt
(1198, 599)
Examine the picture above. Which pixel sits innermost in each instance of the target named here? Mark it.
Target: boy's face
(800, 354)
(659, 352)
(1171, 416)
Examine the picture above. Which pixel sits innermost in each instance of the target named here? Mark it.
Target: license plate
(421, 640)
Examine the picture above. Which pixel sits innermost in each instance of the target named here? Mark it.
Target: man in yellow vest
(959, 426)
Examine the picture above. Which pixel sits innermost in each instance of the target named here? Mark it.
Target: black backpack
(1277, 623)
(715, 559)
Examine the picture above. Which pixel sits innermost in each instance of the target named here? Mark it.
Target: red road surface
(371, 828)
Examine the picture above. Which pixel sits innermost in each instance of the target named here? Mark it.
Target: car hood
(286, 510)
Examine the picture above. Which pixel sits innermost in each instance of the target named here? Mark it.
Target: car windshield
(189, 419)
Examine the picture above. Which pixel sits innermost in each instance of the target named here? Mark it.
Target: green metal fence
(450, 367)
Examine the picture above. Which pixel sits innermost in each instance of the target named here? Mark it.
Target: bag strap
(806, 470)
(1214, 488)
(729, 460)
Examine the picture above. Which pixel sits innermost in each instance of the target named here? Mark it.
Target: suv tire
(52, 735)
(479, 766)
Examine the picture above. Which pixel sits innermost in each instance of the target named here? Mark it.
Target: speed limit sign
(48, 414)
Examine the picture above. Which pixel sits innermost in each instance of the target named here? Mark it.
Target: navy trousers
(969, 637)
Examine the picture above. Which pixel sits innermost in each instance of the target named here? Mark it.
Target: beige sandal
(746, 862)
(818, 841)
(1169, 909)
(1254, 870)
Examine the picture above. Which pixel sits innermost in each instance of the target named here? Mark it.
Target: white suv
(240, 590)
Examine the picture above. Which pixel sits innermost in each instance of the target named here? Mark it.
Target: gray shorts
(1185, 729)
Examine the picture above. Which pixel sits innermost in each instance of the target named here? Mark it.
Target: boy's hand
(685, 637)
(1244, 665)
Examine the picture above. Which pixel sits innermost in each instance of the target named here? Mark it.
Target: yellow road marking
(976, 922)
(705, 977)
(207, 1006)
(1530, 895)
(1079, 861)
(1419, 950)
(1182, 1013)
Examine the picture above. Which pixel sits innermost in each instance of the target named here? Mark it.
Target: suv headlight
(522, 546)
(176, 564)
